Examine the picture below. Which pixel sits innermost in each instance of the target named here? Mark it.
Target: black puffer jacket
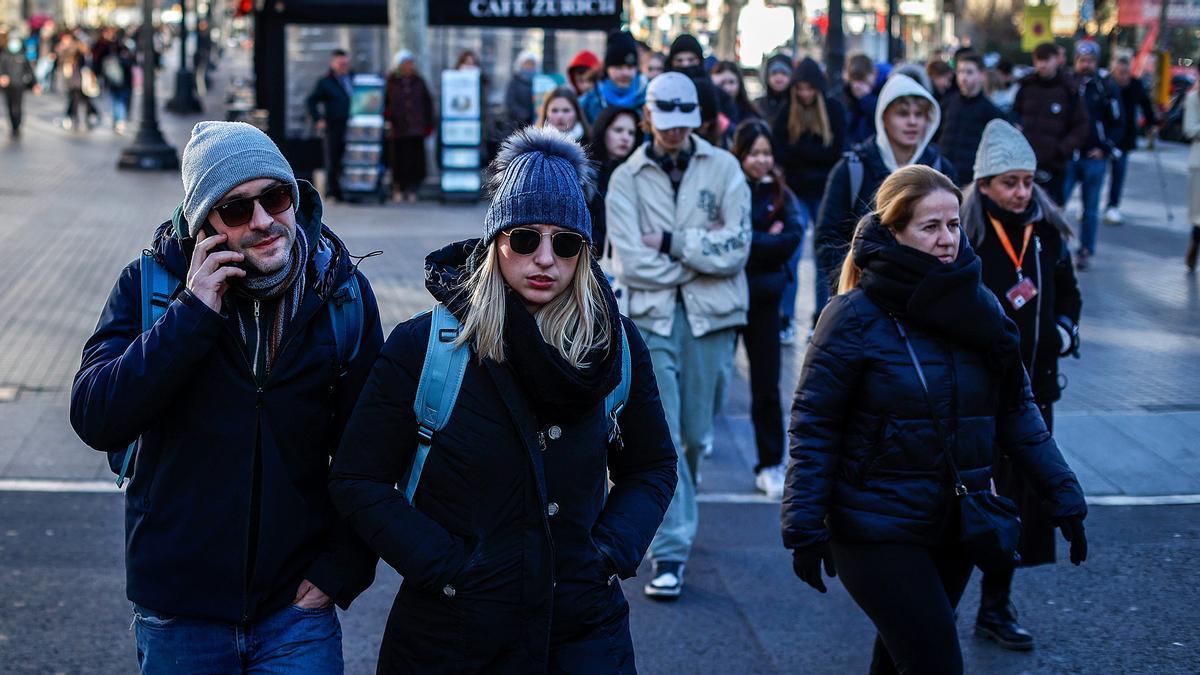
(808, 161)
(513, 511)
(963, 120)
(1052, 117)
(866, 463)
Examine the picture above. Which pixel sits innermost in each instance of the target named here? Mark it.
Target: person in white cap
(1021, 237)
(679, 221)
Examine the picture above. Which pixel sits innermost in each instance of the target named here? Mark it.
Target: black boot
(997, 619)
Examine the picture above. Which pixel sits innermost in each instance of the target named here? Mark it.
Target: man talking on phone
(236, 397)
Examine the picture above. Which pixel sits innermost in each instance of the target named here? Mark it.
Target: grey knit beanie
(539, 177)
(221, 156)
(1002, 148)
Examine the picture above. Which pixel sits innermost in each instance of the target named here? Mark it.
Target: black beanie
(622, 50)
(810, 71)
(685, 43)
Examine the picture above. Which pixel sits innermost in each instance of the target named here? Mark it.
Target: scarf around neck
(622, 97)
(1031, 214)
(948, 300)
(283, 288)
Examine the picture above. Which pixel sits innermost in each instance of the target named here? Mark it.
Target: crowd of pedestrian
(520, 448)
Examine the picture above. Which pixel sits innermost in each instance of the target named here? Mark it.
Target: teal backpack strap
(441, 378)
(157, 288)
(346, 318)
(614, 403)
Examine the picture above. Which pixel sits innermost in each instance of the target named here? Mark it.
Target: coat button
(551, 509)
(449, 591)
(554, 432)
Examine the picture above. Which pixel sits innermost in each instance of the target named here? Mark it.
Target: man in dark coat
(1020, 234)
(1134, 98)
(237, 397)
(1102, 99)
(859, 98)
(329, 108)
(1048, 111)
(16, 75)
(965, 112)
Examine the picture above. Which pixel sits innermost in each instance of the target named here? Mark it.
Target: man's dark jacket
(329, 100)
(1053, 119)
(513, 511)
(221, 456)
(1102, 98)
(963, 120)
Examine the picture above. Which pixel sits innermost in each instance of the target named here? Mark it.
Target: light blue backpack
(441, 378)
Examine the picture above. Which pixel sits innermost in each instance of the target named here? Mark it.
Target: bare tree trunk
(726, 47)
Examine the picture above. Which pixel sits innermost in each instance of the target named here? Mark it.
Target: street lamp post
(149, 151)
(184, 102)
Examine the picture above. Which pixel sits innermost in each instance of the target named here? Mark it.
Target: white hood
(899, 86)
(527, 56)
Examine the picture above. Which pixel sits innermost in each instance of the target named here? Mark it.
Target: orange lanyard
(1008, 247)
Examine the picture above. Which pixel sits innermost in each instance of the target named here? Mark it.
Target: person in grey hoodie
(906, 119)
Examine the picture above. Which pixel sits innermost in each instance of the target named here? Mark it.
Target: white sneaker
(667, 583)
(770, 481)
(1112, 216)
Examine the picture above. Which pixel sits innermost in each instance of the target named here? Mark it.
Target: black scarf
(948, 300)
(557, 389)
(1011, 219)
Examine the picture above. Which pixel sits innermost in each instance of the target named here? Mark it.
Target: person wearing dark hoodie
(965, 112)
(779, 221)
(686, 56)
(614, 138)
(622, 85)
(809, 136)
(512, 545)
(237, 398)
(911, 389)
(777, 86)
(1021, 238)
(906, 119)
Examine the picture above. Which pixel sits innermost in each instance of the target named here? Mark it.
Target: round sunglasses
(525, 241)
(238, 212)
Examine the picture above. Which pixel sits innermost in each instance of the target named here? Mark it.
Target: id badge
(1022, 293)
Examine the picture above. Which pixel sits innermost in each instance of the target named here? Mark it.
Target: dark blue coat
(963, 120)
(767, 271)
(866, 464)
(521, 525)
(329, 100)
(208, 430)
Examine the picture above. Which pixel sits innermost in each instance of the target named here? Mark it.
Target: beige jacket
(1191, 126)
(709, 222)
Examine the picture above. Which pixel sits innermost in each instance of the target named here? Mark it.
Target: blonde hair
(575, 323)
(809, 119)
(895, 202)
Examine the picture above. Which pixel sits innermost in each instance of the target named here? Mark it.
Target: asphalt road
(1132, 608)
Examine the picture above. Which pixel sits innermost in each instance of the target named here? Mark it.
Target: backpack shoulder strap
(346, 317)
(855, 166)
(441, 378)
(614, 403)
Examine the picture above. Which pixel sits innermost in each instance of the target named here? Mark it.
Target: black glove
(806, 563)
(1072, 531)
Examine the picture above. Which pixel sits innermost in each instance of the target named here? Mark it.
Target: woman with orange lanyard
(1020, 236)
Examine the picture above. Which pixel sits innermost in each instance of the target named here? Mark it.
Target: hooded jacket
(227, 511)
(514, 541)
(709, 224)
(771, 102)
(1052, 118)
(840, 210)
(806, 163)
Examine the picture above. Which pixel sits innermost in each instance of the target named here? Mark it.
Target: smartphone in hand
(210, 231)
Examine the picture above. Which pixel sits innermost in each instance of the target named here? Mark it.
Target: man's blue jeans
(1089, 173)
(292, 640)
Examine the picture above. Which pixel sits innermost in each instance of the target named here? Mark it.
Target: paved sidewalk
(69, 221)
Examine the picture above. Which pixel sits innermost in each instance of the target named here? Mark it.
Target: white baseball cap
(673, 102)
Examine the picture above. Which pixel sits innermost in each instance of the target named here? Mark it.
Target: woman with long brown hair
(560, 109)
(912, 383)
(810, 136)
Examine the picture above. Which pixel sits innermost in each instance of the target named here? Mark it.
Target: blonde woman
(513, 544)
(911, 383)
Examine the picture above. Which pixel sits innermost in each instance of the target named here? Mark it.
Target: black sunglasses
(671, 106)
(238, 212)
(524, 241)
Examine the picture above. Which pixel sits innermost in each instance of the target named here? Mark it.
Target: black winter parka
(223, 457)
(866, 464)
(514, 542)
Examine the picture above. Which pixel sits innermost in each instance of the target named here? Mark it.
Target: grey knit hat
(221, 156)
(540, 176)
(1002, 148)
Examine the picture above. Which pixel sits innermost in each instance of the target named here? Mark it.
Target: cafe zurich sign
(564, 14)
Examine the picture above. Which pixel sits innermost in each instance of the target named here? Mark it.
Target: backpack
(441, 378)
(159, 287)
(854, 166)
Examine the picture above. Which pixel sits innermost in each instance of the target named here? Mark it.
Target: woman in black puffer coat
(868, 490)
(513, 545)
